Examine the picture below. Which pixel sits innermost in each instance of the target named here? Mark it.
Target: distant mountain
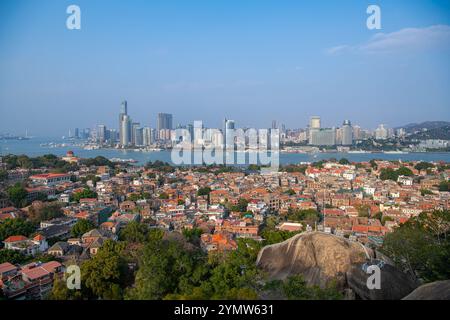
(441, 133)
(427, 125)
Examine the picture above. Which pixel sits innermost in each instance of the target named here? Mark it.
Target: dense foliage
(17, 195)
(85, 194)
(421, 246)
(14, 227)
(391, 174)
(48, 161)
(81, 227)
(46, 211)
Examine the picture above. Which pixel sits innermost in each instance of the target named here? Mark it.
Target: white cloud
(408, 39)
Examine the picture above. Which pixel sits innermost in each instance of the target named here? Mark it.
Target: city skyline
(266, 60)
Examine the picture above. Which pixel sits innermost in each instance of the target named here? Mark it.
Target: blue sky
(250, 60)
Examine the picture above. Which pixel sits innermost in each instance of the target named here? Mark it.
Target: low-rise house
(32, 281)
(37, 244)
(217, 242)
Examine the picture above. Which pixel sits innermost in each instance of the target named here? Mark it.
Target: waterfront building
(347, 133)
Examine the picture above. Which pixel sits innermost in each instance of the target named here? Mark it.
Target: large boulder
(321, 258)
(439, 290)
(394, 284)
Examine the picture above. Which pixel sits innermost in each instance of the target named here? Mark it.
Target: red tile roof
(6, 267)
(15, 239)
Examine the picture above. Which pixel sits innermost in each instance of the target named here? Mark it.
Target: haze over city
(207, 60)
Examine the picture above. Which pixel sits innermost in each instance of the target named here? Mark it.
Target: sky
(253, 61)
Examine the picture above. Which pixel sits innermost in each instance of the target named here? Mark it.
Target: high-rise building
(124, 107)
(123, 136)
(314, 125)
(323, 137)
(125, 131)
(381, 133)
(147, 136)
(228, 128)
(101, 133)
(347, 133)
(134, 127)
(164, 121)
(314, 122)
(274, 124)
(190, 129)
(112, 136)
(357, 134)
(77, 133)
(164, 126)
(139, 136)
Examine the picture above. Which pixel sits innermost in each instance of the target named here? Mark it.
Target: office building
(101, 133)
(228, 133)
(347, 133)
(322, 137)
(147, 136)
(381, 133)
(125, 131)
(314, 122)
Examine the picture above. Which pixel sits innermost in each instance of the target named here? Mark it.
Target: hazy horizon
(250, 61)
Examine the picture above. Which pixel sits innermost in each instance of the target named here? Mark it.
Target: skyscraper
(138, 136)
(134, 127)
(314, 122)
(163, 122)
(228, 127)
(101, 133)
(123, 136)
(147, 136)
(125, 131)
(314, 126)
(347, 133)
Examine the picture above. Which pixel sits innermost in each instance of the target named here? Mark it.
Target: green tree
(424, 192)
(46, 212)
(241, 206)
(388, 174)
(276, 236)
(62, 293)
(421, 246)
(423, 166)
(85, 194)
(81, 227)
(3, 175)
(134, 232)
(290, 192)
(193, 234)
(404, 171)
(12, 256)
(164, 195)
(14, 227)
(444, 186)
(17, 195)
(296, 288)
(203, 191)
(167, 269)
(344, 161)
(236, 273)
(308, 216)
(104, 275)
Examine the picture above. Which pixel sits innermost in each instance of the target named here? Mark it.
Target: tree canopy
(421, 246)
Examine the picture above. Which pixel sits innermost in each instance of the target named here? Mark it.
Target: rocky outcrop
(439, 290)
(321, 258)
(394, 284)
